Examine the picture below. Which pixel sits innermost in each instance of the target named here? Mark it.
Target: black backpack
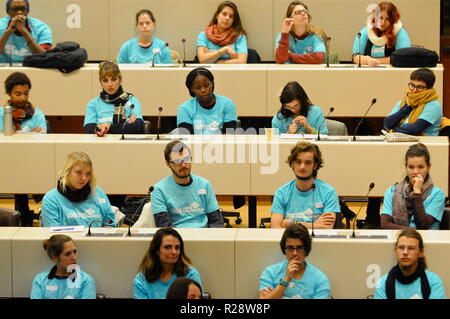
(65, 56)
(414, 57)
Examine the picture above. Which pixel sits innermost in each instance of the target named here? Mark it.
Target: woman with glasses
(294, 277)
(224, 39)
(419, 113)
(145, 48)
(415, 202)
(164, 261)
(300, 41)
(297, 114)
(114, 111)
(383, 35)
(409, 279)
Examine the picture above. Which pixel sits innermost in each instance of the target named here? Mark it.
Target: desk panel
(6, 234)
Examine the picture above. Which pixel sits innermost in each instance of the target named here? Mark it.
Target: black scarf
(119, 100)
(77, 196)
(396, 274)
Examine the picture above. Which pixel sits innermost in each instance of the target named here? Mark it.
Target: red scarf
(221, 39)
(21, 114)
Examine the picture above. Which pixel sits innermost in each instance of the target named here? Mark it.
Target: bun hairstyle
(55, 245)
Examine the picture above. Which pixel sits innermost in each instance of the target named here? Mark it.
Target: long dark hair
(151, 264)
(237, 25)
(180, 287)
(294, 91)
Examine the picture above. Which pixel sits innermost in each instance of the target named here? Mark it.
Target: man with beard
(409, 279)
(184, 199)
(293, 202)
(26, 118)
(21, 35)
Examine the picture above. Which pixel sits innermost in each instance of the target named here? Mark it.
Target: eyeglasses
(291, 108)
(412, 86)
(15, 9)
(179, 161)
(298, 12)
(297, 248)
(409, 249)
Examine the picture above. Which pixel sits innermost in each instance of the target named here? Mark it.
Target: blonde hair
(109, 68)
(72, 160)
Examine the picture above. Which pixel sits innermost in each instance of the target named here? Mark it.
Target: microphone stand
(313, 188)
(97, 221)
(371, 186)
(374, 100)
(158, 125)
(331, 109)
(328, 51)
(359, 44)
(184, 52)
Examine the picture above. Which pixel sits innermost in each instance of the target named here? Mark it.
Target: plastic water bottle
(7, 121)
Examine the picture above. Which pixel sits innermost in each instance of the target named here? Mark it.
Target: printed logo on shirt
(77, 215)
(51, 288)
(378, 50)
(11, 49)
(69, 297)
(193, 208)
(306, 215)
(105, 119)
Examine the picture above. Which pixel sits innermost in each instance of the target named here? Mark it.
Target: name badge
(202, 191)
(319, 205)
(101, 200)
(52, 288)
(156, 50)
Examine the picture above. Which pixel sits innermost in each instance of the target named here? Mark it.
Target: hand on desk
(102, 129)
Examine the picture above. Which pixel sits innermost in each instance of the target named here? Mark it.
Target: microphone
(313, 188)
(146, 199)
(359, 44)
(158, 125)
(125, 122)
(184, 51)
(371, 186)
(160, 49)
(330, 110)
(374, 100)
(328, 51)
(108, 222)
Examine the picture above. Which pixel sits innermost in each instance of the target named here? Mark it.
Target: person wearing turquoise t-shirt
(26, 119)
(76, 200)
(145, 48)
(419, 113)
(409, 279)
(300, 41)
(205, 113)
(414, 202)
(65, 280)
(383, 35)
(294, 278)
(224, 39)
(114, 111)
(297, 114)
(22, 35)
(164, 261)
(305, 199)
(183, 199)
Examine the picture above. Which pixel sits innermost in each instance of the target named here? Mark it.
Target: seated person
(409, 279)
(414, 202)
(114, 111)
(184, 288)
(205, 113)
(224, 39)
(65, 280)
(300, 41)
(22, 35)
(26, 119)
(297, 114)
(383, 35)
(294, 277)
(145, 47)
(183, 199)
(76, 200)
(163, 262)
(419, 113)
(293, 202)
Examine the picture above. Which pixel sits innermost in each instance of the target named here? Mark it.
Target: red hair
(393, 16)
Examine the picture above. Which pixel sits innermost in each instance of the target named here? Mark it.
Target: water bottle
(7, 121)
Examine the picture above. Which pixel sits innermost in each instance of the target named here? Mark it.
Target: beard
(181, 176)
(305, 178)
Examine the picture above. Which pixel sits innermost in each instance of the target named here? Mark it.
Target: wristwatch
(283, 283)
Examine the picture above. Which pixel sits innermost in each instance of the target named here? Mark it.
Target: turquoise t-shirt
(207, 122)
(402, 41)
(239, 46)
(100, 112)
(37, 120)
(315, 118)
(412, 290)
(434, 205)
(312, 43)
(158, 289)
(432, 113)
(297, 205)
(16, 47)
(47, 286)
(132, 52)
(314, 284)
(57, 210)
(187, 205)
